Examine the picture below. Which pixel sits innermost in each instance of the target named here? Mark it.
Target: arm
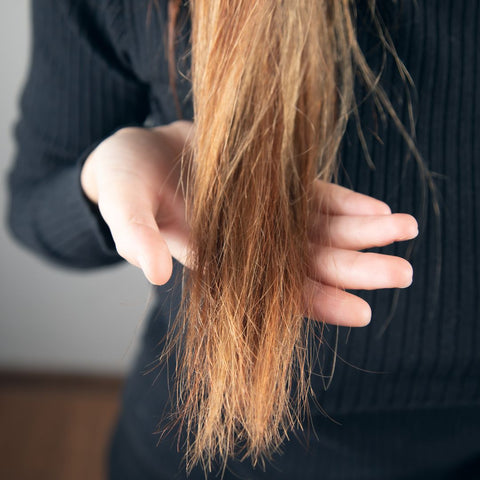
(78, 92)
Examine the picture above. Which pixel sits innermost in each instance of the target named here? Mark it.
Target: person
(98, 134)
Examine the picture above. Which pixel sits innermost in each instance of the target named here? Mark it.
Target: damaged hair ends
(273, 88)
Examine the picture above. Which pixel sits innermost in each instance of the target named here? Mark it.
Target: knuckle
(127, 131)
(140, 220)
(357, 257)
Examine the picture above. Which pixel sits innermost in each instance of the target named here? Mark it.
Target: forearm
(78, 92)
(53, 218)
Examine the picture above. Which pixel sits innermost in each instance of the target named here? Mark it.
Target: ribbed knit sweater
(98, 66)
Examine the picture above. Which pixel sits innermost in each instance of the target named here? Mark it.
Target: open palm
(134, 177)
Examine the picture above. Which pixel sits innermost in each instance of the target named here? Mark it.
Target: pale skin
(133, 176)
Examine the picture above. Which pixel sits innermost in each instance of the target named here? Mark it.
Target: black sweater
(97, 66)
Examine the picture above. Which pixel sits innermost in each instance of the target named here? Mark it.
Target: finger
(338, 200)
(335, 306)
(128, 211)
(151, 252)
(363, 231)
(361, 270)
(176, 236)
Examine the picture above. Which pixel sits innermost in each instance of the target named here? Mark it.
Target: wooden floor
(55, 426)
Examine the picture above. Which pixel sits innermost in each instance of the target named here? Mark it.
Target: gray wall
(52, 318)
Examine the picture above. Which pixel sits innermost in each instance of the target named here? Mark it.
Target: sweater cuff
(77, 229)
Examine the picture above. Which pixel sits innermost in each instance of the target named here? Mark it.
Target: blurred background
(66, 337)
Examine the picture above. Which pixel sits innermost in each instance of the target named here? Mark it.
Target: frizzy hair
(273, 89)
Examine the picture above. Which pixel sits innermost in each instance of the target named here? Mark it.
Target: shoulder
(123, 31)
(127, 38)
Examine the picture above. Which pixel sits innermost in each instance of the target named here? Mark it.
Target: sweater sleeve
(79, 90)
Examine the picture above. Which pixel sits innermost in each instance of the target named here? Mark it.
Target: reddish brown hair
(273, 90)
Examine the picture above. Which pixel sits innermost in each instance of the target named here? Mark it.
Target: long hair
(273, 89)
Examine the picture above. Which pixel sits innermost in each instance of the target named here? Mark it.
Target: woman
(86, 196)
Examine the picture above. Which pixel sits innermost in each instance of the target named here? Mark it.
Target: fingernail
(366, 321)
(388, 209)
(409, 282)
(367, 317)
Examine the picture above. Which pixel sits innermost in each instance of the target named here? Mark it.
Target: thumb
(143, 246)
(136, 234)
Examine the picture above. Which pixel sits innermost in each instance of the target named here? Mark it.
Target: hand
(134, 177)
(348, 222)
